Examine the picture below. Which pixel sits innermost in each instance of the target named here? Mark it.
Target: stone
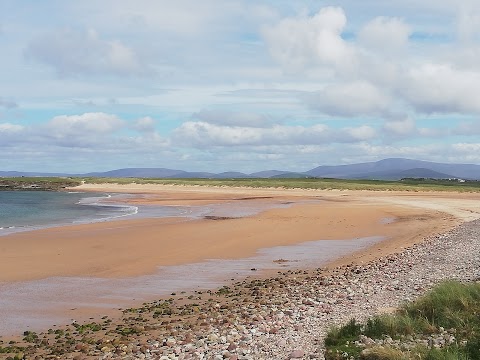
(212, 338)
(296, 354)
(170, 342)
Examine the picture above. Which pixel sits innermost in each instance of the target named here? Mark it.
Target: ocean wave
(54, 210)
(118, 210)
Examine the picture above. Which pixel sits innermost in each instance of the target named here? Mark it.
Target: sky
(220, 85)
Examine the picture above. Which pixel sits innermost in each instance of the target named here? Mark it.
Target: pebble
(296, 354)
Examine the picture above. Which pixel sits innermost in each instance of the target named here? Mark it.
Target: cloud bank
(217, 85)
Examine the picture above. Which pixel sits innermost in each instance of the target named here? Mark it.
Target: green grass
(89, 327)
(56, 183)
(40, 179)
(339, 340)
(307, 183)
(39, 183)
(450, 306)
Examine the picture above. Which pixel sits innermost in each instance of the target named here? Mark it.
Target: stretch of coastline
(133, 248)
(136, 247)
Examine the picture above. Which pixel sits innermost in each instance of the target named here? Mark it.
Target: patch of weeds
(225, 290)
(451, 305)
(88, 327)
(340, 341)
(11, 349)
(30, 336)
(126, 331)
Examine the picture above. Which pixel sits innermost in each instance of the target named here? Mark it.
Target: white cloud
(400, 127)
(145, 124)
(467, 148)
(440, 88)
(205, 135)
(68, 137)
(361, 133)
(230, 118)
(86, 124)
(302, 42)
(86, 130)
(349, 99)
(375, 152)
(464, 57)
(434, 132)
(72, 52)
(10, 128)
(385, 34)
(12, 135)
(370, 78)
(464, 153)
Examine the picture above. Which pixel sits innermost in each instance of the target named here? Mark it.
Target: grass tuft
(450, 311)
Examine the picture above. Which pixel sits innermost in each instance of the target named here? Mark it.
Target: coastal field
(270, 217)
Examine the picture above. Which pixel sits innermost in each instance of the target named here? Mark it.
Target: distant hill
(291, 175)
(231, 175)
(387, 169)
(150, 173)
(138, 172)
(267, 173)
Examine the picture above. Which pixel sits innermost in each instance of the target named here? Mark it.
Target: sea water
(31, 210)
(28, 210)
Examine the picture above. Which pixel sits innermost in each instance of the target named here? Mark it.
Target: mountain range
(387, 169)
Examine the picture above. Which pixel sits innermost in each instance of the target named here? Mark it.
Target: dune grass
(307, 183)
(414, 185)
(450, 312)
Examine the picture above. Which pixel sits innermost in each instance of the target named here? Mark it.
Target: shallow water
(37, 305)
(30, 210)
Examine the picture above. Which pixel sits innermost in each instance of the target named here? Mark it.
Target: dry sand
(135, 247)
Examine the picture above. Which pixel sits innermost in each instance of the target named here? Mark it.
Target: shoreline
(95, 200)
(134, 247)
(411, 209)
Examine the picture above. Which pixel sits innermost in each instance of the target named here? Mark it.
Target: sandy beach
(84, 272)
(135, 247)
(87, 271)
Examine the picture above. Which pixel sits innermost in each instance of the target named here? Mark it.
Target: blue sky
(219, 85)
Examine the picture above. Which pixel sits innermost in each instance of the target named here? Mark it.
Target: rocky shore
(282, 317)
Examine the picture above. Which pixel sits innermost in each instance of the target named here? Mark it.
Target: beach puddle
(38, 305)
(387, 220)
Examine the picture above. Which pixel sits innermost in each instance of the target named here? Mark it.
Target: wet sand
(76, 271)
